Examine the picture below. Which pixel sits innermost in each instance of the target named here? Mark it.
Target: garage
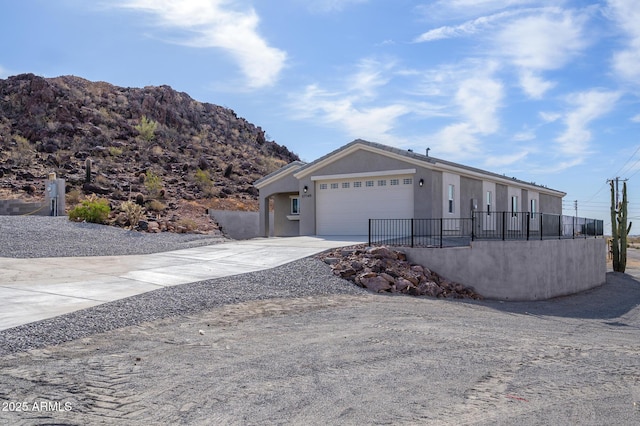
(344, 206)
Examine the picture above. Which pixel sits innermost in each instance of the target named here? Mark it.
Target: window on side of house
(334, 186)
(407, 181)
(295, 205)
(514, 205)
(357, 184)
(346, 185)
(534, 208)
(382, 182)
(489, 200)
(369, 183)
(323, 186)
(451, 195)
(394, 182)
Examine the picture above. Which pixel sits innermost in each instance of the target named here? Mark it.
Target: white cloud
(524, 136)
(533, 85)
(498, 161)
(479, 99)
(331, 5)
(636, 118)
(533, 40)
(341, 108)
(549, 117)
(456, 141)
(626, 62)
(214, 24)
(544, 41)
(3, 72)
(448, 9)
(588, 106)
(626, 14)
(465, 29)
(371, 75)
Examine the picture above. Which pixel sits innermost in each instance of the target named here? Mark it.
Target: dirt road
(347, 359)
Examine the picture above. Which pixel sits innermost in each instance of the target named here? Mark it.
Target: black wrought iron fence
(445, 232)
(421, 232)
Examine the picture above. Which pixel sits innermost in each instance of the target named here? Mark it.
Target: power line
(618, 172)
(629, 159)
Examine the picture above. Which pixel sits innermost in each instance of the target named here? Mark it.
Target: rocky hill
(176, 154)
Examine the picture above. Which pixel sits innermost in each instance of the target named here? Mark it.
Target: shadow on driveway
(618, 296)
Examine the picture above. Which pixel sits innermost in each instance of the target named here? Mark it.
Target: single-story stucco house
(338, 193)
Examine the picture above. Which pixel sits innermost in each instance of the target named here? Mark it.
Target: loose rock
(384, 270)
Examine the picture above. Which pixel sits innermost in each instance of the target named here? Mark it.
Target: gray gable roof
(422, 158)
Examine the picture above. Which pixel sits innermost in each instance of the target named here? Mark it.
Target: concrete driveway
(36, 289)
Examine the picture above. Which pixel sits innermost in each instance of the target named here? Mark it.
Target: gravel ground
(295, 345)
(44, 236)
(302, 278)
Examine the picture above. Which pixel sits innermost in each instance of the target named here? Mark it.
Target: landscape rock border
(385, 270)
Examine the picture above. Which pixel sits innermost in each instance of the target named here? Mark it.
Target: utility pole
(575, 206)
(617, 181)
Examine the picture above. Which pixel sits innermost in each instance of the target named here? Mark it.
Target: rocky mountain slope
(177, 155)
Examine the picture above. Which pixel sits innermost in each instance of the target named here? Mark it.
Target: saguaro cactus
(87, 167)
(619, 229)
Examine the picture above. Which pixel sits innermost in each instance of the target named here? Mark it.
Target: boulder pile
(383, 270)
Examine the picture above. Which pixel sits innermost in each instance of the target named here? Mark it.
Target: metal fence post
(560, 227)
(441, 226)
(528, 225)
(369, 232)
(504, 224)
(473, 226)
(412, 231)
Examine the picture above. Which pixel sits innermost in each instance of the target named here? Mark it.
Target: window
(514, 205)
(345, 185)
(295, 205)
(334, 186)
(369, 183)
(323, 186)
(534, 208)
(394, 182)
(382, 183)
(357, 184)
(489, 195)
(407, 181)
(451, 194)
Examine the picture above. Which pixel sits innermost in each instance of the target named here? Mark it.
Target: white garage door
(344, 207)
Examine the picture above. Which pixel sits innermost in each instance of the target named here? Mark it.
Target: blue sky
(545, 91)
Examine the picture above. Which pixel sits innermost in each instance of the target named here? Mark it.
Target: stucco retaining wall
(20, 208)
(239, 225)
(520, 270)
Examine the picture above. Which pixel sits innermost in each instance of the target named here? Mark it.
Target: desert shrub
(103, 180)
(140, 200)
(153, 183)
(202, 177)
(155, 206)
(146, 128)
(24, 152)
(73, 197)
(92, 209)
(187, 225)
(204, 182)
(115, 151)
(228, 170)
(132, 211)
